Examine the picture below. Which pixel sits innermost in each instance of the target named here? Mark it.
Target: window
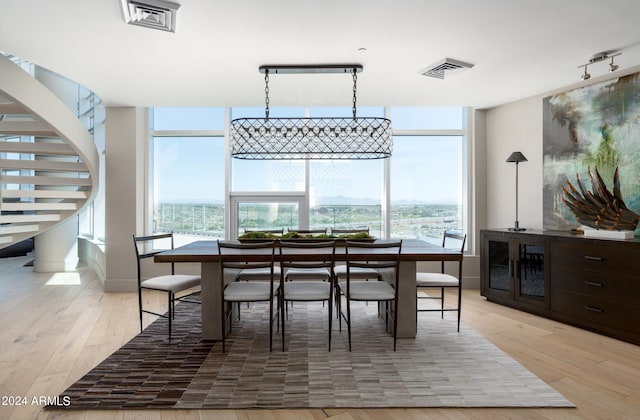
(187, 173)
(417, 193)
(426, 186)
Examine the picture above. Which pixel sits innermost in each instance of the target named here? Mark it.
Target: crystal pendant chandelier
(311, 138)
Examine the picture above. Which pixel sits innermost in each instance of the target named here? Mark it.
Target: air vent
(447, 66)
(155, 14)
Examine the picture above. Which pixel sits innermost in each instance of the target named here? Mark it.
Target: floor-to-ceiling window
(428, 172)
(187, 172)
(417, 193)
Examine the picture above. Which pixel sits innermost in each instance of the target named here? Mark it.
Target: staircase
(48, 160)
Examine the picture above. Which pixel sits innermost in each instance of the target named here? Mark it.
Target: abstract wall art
(593, 127)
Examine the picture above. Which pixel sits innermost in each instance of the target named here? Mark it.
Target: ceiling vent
(447, 66)
(155, 14)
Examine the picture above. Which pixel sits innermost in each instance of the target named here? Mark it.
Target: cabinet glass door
(531, 274)
(498, 259)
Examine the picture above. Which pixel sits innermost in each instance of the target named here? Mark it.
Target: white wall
(512, 127)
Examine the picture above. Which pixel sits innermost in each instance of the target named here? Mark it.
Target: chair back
(242, 256)
(378, 255)
(452, 239)
(295, 254)
(149, 246)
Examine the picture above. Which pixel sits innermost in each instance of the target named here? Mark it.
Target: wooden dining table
(206, 254)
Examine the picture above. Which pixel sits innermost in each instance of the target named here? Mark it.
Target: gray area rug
(440, 368)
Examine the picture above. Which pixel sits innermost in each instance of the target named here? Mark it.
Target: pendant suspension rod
(266, 94)
(355, 79)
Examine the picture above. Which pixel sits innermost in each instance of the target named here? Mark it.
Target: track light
(596, 58)
(612, 67)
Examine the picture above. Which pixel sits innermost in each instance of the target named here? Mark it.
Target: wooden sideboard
(589, 283)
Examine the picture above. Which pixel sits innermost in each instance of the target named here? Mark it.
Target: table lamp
(516, 157)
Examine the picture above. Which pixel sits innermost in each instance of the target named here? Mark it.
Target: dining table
(205, 252)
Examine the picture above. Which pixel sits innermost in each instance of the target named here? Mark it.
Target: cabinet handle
(594, 309)
(592, 258)
(593, 283)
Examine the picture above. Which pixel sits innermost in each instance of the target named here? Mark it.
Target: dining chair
(307, 276)
(236, 257)
(172, 284)
(383, 257)
(452, 240)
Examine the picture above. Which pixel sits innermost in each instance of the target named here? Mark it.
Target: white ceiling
(519, 49)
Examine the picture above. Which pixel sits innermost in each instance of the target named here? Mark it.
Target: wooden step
(37, 148)
(11, 229)
(12, 108)
(26, 128)
(43, 165)
(29, 218)
(44, 194)
(38, 206)
(45, 180)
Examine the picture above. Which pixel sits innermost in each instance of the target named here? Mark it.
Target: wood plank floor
(56, 327)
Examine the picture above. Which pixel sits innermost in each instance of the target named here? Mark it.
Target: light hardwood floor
(56, 327)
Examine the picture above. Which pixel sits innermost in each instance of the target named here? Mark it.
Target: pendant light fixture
(311, 138)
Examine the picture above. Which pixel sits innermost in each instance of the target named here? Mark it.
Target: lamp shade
(516, 157)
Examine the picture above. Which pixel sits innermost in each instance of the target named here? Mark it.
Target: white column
(57, 248)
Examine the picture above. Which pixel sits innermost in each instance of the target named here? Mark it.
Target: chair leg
(140, 307)
(330, 305)
(171, 310)
(442, 302)
(282, 303)
(459, 305)
(349, 320)
(224, 322)
(395, 322)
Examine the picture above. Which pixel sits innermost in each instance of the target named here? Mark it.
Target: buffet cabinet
(585, 282)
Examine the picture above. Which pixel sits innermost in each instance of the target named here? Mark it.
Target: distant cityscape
(423, 221)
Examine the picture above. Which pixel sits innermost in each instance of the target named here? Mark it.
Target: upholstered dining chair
(307, 276)
(441, 281)
(361, 273)
(236, 257)
(378, 256)
(172, 284)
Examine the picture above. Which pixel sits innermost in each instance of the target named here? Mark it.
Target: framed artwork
(593, 127)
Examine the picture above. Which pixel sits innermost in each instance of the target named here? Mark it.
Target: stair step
(44, 194)
(38, 206)
(6, 239)
(29, 218)
(26, 128)
(43, 165)
(11, 229)
(12, 108)
(38, 148)
(45, 180)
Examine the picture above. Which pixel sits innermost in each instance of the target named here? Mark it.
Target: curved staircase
(48, 160)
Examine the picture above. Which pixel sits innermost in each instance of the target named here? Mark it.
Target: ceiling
(518, 48)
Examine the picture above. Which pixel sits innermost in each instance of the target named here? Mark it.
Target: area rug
(440, 368)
